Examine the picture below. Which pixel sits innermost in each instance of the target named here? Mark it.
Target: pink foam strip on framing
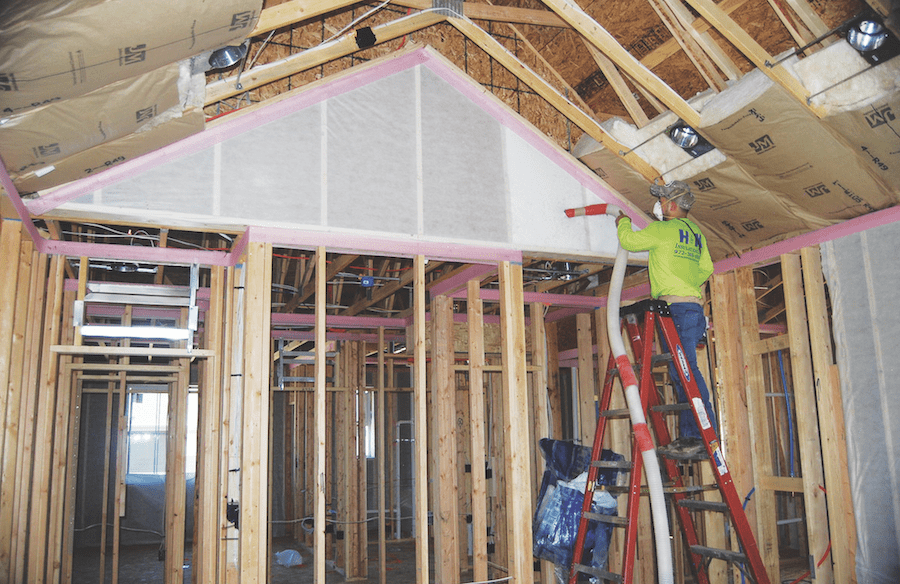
(832, 232)
(136, 253)
(382, 246)
(281, 319)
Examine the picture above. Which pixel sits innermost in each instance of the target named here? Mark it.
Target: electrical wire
(787, 406)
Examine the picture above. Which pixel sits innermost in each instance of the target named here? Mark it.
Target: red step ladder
(640, 321)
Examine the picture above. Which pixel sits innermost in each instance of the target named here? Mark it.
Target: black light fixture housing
(872, 39)
(688, 139)
(227, 56)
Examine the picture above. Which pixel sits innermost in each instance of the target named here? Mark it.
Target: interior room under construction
(319, 291)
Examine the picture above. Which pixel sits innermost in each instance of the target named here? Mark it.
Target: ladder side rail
(719, 467)
(634, 505)
(661, 430)
(593, 471)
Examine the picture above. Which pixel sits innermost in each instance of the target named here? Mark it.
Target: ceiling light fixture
(228, 56)
(871, 39)
(867, 35)
(688, 139)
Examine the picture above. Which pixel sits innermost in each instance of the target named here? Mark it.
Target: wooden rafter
(678, 20)
(346, 45)
(589, 125)
(600, 38)
(753, 51)
(617, 82)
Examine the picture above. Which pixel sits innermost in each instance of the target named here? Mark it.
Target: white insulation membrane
(863, 279)
(407, 155)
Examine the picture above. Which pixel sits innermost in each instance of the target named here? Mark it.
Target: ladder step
(621, 464)
(602, 574)
(623, 413)
(613, 519)
(727, 555)
(671, 407)
(615, 489)
(704, 505)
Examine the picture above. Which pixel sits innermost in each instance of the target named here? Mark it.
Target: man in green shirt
(679, 265)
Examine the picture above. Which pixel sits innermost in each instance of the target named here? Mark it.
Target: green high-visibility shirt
(679, 257)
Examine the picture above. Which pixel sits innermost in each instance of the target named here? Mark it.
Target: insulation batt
(659, 151)
(838, 62)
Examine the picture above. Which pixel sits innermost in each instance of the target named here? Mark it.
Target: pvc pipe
(633, 399)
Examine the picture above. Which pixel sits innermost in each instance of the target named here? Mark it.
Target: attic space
(334, 291)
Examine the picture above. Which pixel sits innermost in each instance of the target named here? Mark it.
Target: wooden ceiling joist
(293, 11)
(336, 266)
(618, 84)
(678, 20)
(590, 126)
(507, 14)
(329, 51)
(600, 38)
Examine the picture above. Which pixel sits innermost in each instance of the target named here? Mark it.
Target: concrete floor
(142, 564)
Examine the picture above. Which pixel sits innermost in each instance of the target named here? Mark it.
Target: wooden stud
(734, 428)
(515, 426)
(10, 247)
(319, 423)
(475, 313)
(445, 504)
(104, 519)
(807, 418)
(755, 387)
(121, 470)
(254, 447)
(677, 19)
(208, 450)
(62, 439)
(380, 437)
(38, 555)
(831, 421)
(420, 412)
(587, 414)
(541, 411)
(553, 396)
(74, 380)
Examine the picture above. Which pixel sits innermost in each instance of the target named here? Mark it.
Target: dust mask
(657, 210)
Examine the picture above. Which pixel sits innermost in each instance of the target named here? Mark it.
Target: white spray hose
(633, 399)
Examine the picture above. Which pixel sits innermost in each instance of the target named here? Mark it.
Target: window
(147, 414)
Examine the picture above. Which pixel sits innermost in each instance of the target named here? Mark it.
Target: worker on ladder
(679, 264)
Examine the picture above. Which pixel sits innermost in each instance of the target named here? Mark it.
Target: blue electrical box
(367, 281)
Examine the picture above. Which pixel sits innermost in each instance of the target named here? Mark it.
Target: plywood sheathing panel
(791, 153)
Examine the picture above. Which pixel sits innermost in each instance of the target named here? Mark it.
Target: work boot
(685, 448)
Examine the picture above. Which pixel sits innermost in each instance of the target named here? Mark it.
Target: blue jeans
(691, 325)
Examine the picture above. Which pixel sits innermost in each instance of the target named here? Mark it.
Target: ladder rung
(727, 555)
(614, 519)
(626, 464)
(602, 574)
(671, 407)
(704, 505)
(690, 489)
(623, 413)
(661, 358)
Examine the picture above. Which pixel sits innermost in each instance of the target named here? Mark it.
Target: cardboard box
(48, 134)
(56, 49)
(109, 154)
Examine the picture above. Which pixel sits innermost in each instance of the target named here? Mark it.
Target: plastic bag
(289, 558)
